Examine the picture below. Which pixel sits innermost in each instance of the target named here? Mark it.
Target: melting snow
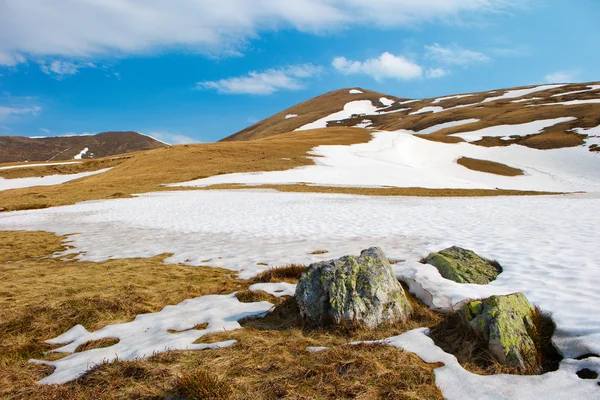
(358, 107)
(544, 244)
(148, 334)
(49, 180)
(458, 96)
(589, 89)
(445, 125)
(386, 102)
(276, 289)
(573, 102)
(39, 165)
(506, 131)
(525, 100)
(457, 383)
(433, 109)
(291, 116)
(81, 154)
(364, 123)
(355, 91)
(512, 94)
(402, 160)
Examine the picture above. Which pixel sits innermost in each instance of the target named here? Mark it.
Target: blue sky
(199, 70)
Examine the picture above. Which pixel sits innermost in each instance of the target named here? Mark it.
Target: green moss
(463, 266)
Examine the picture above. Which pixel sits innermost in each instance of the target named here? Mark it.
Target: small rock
(505, 322)
(464, 266)
(352, 291)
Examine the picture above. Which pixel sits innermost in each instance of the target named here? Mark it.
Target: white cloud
(454, 55)
(60, 69)
(386, 66)
(266, 82)
(562, 76)
(437, 72)
(90, 28)
(7, 112)
(172, 138)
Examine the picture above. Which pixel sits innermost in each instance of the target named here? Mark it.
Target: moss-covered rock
(464, 266)
(352, 291)
(506, 323)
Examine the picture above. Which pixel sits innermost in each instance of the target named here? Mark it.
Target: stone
(464, 266)
(506, 323)
(352, 292)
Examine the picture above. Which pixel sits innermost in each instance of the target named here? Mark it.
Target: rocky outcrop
(352, 291)
(506, 324)
(464, 266)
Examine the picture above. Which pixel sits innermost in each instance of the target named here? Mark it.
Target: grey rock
(507, 325)
(464, 266)
(352, 291)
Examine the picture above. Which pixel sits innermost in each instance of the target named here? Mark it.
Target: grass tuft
(202, 385)
(287, 273)
(96, 344)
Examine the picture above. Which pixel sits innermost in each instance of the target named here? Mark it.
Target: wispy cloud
(454, 55)
(44, 130)
(386, 66)
(60, 69)
(87, 29)
(8, 112)
(436, 72)
(562, 76)
(171, 138)
(266, 82)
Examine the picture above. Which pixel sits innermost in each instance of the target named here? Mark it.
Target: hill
(21, 149)
(558, 116)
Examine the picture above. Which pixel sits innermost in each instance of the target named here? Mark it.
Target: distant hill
(541, 117)
(20, 149)
(307, 112)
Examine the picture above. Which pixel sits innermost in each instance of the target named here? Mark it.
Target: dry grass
(96, 344)
(472, 352)
(490, 167)
(146, 171)
(61, 169)
(202, 385)
(387, 191)
(286, 273)
(320, 252)
(41, 298)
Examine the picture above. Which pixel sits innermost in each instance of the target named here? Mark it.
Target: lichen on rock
(352, 291)
(506, 323)
(464, 266)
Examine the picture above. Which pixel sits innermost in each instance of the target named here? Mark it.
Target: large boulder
(506, 324)
(464, 266)
(352, 292)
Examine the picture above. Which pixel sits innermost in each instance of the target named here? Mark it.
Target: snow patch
(81, 154)
(589, 89)
(505, 131)
(148, 334)
(39, 165)
(355, 91)
(386, 102)
(573, 102)
(513, 94)
(291, 116)
(277, 289)
(458, 96)
(49, 180)
(358, 107)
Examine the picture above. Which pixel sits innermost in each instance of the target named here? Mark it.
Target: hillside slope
(307, 112)
(569, 111)
(21, 149)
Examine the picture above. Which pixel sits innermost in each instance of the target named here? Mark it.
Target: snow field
(399, 159)
(543, 243)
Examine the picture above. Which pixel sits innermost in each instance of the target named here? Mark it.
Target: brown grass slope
(20, 149)
(43, 297)
(144, 172)
(499, 112)
(308, 111)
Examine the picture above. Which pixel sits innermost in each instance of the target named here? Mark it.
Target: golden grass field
(42, 297)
